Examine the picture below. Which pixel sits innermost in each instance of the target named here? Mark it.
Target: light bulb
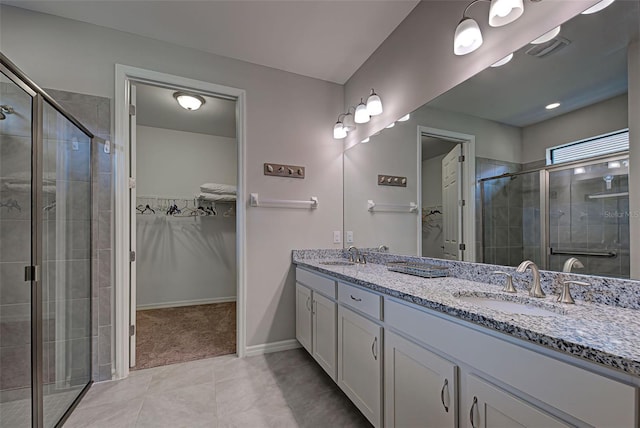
(338, 131)
(374, 104)
(467, 38)
(598, 7)
(405, 117)
(503, 61)
(503, 12)
(362, 115)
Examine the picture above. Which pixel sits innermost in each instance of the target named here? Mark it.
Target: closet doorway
(184, 161)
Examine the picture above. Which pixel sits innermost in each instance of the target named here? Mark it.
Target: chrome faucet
(571, 263)
(358, 258)
(383, 248)
(536, 289)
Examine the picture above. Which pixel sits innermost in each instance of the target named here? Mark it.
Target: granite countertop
(599, 333)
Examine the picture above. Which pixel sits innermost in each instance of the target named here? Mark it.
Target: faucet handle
(362, 259)
(508, 285)
(565, 296)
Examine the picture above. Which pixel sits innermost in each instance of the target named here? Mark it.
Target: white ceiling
(157, 108)
(592, 68)
(325, 39)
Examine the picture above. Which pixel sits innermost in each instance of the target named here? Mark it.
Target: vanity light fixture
(546, 36)
(348, 122)
(339, 131)
(374, 104)
(598, 7)
(405, 117)
(189, 102)
(552, 106)
(503, 61)
(503, 12)
(366, 140)
(468, 37)
(362, 115)
(391, 125)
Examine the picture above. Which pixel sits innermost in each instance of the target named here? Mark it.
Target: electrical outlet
(349, 237)
(336, 237)
(107, 146)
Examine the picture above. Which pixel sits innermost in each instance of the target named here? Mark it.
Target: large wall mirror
(493, 172)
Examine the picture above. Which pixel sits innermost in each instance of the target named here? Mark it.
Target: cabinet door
(360, 362)
(324, 333)
(303, 316)
(420, 387)
(491, 407)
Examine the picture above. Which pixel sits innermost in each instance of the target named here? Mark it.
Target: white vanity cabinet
(492, 407)
(420, 388)
(316, 319)
(360, 362)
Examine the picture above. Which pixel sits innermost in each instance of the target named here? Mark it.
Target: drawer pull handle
(445, 386)
(471, 413)
(355, 298)
(374, 348)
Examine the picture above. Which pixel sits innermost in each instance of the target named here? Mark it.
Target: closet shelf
(256, 201)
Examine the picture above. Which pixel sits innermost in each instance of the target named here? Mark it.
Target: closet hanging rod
(373, 206)
(256, 201)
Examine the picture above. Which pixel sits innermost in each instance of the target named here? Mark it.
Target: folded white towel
(218, 189)
(210, 197)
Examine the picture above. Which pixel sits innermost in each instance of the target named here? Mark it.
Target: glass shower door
(589, 217)
(15, 253)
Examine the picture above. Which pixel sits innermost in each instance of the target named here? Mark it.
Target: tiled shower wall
(95, 114)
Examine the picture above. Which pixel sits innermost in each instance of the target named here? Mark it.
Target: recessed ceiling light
(598, 7)
(546, 36)
(404, 118)
(579, 170)
(552, 106)
(503, 61)
(366, 140)
(391, 125)
(189, 102)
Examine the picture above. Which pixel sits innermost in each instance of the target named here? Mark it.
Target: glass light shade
(391, 125)
(366, 140)
(362, 115)
(374, 104)
(188, 101)
(546, 36)
(503, 61)
(338, 131)
(503, 12)
(598, 7)
(348, 123)
(468, 37)
(405, 117)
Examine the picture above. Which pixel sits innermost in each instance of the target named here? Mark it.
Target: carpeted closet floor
(175, 335)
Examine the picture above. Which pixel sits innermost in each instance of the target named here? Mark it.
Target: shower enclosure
(579, 209)
(45, 255)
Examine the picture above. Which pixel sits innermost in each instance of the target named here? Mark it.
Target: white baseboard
(265, 348)
(185, 303)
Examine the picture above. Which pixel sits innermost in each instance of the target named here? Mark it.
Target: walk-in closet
(184, 164)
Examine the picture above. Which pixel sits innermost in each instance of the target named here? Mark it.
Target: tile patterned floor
(283, 389)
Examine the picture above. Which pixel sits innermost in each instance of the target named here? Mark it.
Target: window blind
(602, 145)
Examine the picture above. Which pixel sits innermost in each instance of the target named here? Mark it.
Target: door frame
(468, 186)
(124, 76)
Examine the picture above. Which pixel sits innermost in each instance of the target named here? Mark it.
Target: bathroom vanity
(411, 351)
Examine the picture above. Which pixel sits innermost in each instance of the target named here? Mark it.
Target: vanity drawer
(317, 283)
(362, 300)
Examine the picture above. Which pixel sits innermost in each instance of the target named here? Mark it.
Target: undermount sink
(511, 304)
(337, 263)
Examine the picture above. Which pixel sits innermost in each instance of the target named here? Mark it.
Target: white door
(132, 228)
(451, 204)
(360, 363)
(491, 407)
(420, 387)
(303, 316)
(324, 333)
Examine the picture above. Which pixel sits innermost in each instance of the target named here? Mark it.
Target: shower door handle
(32, 273)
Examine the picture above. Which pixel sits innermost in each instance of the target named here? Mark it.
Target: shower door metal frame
(33, 273)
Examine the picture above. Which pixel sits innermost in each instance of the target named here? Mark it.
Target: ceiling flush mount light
(546, 36)
(503, 61)
(552, 106)
(404, 118)
(189, 102)
(468, 37)
(374, 104)
(503, 12)
(598, 7)
(362, 115)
